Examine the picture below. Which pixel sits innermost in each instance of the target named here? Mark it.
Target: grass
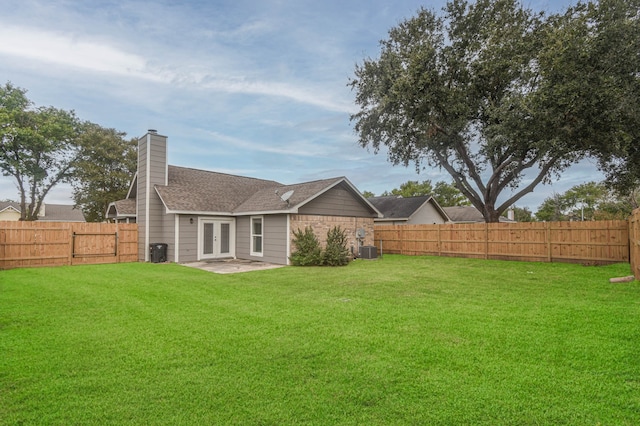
(400, 340)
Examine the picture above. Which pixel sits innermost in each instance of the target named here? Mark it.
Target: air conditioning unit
(368, 252)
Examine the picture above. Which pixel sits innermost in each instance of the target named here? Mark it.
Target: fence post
(548, 238)
(486, 240)
(71, 242)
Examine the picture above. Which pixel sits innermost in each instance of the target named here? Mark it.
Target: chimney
(152, 171)
(511, 214)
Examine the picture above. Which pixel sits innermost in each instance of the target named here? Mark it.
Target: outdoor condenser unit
(158, 252)
(368, 252)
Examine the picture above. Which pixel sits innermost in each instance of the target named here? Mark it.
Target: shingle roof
(464, 214)
(52, 212)
(468, 214)
(204, 191)
(196, 190)
(397, 207)
(126, 207)
(4, 205)
(269, 198)
(63, 213)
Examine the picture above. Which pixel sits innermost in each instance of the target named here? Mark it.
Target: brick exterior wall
(321, 225)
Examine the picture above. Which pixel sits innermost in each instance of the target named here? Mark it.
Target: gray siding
(188, 239)
(338, 201)
(168, 232)
(275, 235)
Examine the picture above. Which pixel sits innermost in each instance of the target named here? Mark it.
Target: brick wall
(323, 224)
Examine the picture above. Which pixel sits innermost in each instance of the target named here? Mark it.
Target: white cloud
(72, 51)
(67, 50)
(298, 148)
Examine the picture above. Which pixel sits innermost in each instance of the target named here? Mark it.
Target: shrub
(308, 251)
(336, 252)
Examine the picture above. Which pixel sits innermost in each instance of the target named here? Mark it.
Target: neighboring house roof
(7, 205)
(201, 191)
(122, 208)
(62, 213)
(398, 208)
(467, 214)
(52, 212)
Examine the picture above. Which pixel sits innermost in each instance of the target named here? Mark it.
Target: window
(256, 236)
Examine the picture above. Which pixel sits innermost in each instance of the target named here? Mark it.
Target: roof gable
(9, 205)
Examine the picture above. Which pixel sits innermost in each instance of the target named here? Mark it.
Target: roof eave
(133, 181)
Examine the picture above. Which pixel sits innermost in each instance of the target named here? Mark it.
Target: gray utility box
(158, 252)
(368, 252)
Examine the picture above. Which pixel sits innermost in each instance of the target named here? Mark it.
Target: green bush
(308, 251)
(336, 253)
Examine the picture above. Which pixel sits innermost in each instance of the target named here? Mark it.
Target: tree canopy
(103, 170)
(37, 147)
(588, 201)
(43, 146)
(501, 97)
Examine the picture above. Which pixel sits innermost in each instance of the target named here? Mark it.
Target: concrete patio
(231, 266)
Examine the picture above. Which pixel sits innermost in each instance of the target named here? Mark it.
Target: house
(470, 214)
(202, 214)
(10, 210)
(397, 210)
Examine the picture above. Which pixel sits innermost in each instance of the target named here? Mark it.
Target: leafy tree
(368, 194)
(552, 209)
(588, 201)
(412, 188)
(447, 195)
(38, 147)
(581, 201)
(521, 214)
(597, 83)
(103, 171)
(307, 248)
(492, 90)
(336, 252)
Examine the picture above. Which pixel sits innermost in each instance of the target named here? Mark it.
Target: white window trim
(251, 235)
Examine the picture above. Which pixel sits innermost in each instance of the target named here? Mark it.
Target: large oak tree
(501, 97)
(37, 147)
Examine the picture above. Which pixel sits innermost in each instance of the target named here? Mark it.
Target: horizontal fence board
(28, 244)
(579, 242)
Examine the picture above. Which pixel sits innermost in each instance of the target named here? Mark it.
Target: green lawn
(399, 340)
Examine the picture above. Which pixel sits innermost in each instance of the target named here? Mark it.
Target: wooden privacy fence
(27, 244)
(598, 242)
(634, 242)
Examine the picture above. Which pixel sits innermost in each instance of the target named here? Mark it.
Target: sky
(249, 87)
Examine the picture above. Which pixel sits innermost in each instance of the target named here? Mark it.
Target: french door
(216, 238)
